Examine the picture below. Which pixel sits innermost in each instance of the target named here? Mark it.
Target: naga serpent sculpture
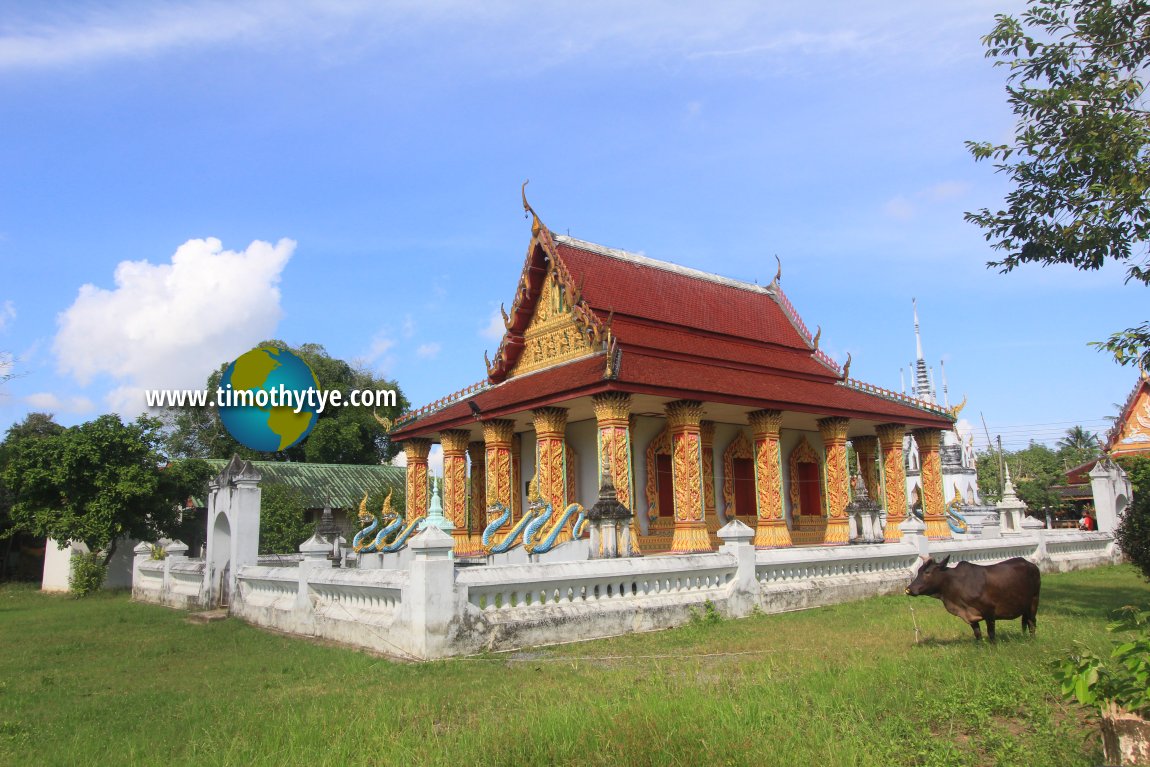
(393, 520)
(548, 541)
(508, 540)
(534, 520)
(357, 543)
(957, 522)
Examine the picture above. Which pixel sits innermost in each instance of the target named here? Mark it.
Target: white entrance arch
(233, 528)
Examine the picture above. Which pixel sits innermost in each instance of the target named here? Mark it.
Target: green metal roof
(343, 485)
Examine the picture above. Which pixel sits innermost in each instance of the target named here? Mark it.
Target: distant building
(959, 470)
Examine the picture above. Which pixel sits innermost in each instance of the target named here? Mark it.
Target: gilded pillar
(707, 440)
(497, 439)
(516, 477)
(454, 442)
(613, 419)
(684, 428)
(551, 461)
(477, 493)
(890, 437)
(771, 524)
(834, 434)
(865, 449)
(416, 451)
(933, 501)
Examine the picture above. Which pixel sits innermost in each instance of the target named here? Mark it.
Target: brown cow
(1004, 591)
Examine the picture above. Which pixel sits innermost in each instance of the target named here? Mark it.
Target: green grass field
(107, 681)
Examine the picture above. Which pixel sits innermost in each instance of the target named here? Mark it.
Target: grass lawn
(107, 681)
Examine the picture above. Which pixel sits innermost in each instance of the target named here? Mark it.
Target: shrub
(1133, 533)
(1123, 680)
(88, 573)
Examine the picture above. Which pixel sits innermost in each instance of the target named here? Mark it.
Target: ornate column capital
(765, 423)
(927, 439)
(707, 433)
(683, 414)
(416, 448)
(865, 444)
(550, 421)
(454, 441)
(834, 430)
(498, 431)
(611, 406)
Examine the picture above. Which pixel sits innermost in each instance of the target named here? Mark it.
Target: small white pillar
(315, 552)
(739, 540)
(429, 598)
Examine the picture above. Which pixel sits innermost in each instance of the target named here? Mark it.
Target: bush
(88, 573)
(283, 523)
(1133, 533)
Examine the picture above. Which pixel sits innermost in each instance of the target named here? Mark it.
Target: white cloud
(50, 402)
(493, 330)
(899, 207)
(377, 355)
(943, 191)
(428, 351)
(408, 329)
(7, 313)
(169, 325)
(553, 33)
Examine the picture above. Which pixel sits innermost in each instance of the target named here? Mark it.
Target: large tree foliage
(341, 435)
(1133, 533)
(283, 519)
(1036, 468)
(98, 482)
(34, 426)
(1080, 160)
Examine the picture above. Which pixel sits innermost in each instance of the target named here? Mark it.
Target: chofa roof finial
(536, 224)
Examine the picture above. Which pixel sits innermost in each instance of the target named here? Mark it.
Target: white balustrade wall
(432, 608)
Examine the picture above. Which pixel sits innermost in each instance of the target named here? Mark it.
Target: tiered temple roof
(588, 319)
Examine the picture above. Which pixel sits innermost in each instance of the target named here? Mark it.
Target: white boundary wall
(433, 609)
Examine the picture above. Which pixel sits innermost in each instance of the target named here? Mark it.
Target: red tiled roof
(659, 293)
(683, 334)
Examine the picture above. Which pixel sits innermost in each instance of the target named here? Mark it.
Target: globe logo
(266, 400)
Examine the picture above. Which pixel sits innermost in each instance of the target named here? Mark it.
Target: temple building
(959, 468)
(704, 399)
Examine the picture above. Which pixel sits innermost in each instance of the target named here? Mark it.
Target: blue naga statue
(957, 522)
(531, 525)
(391, 520)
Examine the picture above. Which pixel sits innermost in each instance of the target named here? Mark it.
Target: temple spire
(922, 384)
(945, 391)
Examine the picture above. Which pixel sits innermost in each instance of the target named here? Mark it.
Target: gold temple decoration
(834, 434)
(933, 502)
(613, 421)
(847, 367)
(954, 411)
(383, 421)
(890, 439)
(660, 445)
(497, 442)
(683, 423)
(416, 450)
(770, 524)
(454, 442)
(562, 326)
(551, 460)
(806, 529)
(707, 441)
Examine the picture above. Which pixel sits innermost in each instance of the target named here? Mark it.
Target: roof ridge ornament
(536, 225)
(818, 335)
(778, 275)
(847, 367)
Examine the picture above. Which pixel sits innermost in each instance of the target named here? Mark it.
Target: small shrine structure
(704, 399)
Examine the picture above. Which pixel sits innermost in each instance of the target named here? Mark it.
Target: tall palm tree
(1078, 438)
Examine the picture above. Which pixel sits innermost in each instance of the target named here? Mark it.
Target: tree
(1080, 160)
(341, 434)
(1078, 446)
(283, 523)
(99, 482)
(1133, 533)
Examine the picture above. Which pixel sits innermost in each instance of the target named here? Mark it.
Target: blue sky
(179, 181)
